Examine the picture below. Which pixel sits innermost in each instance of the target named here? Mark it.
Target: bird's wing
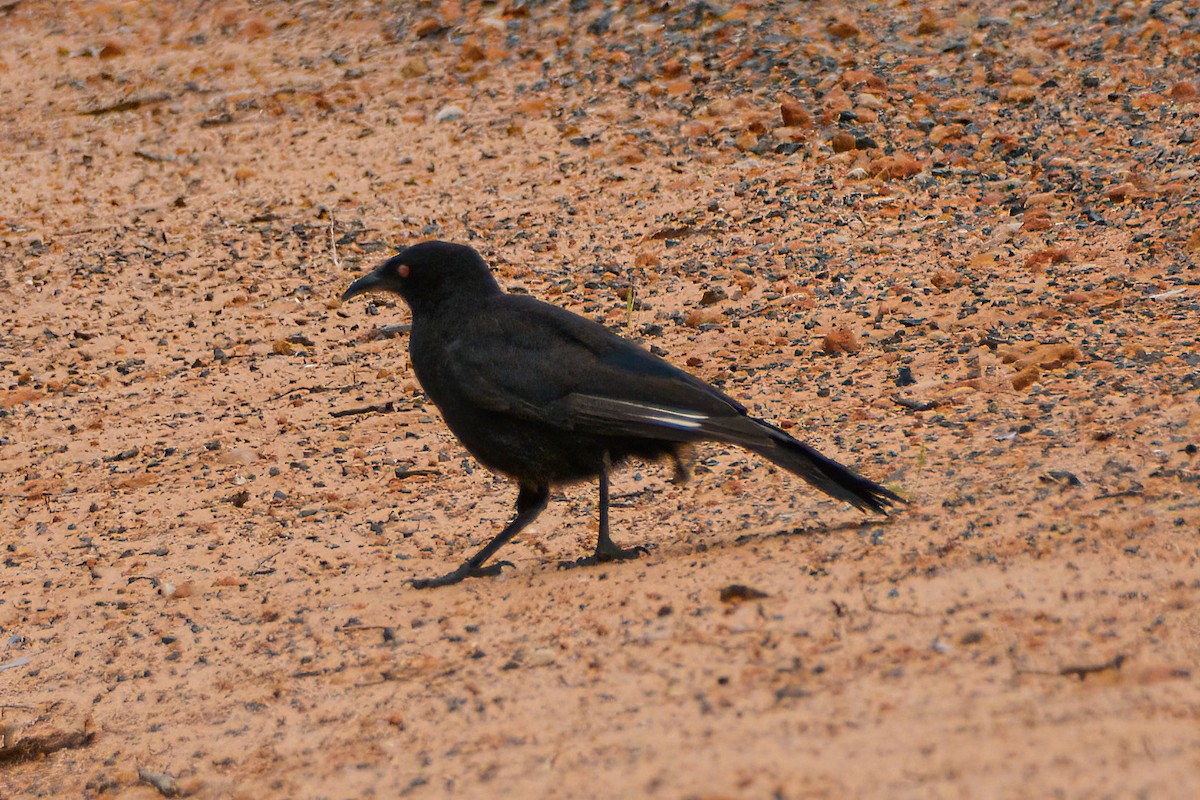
(540, 362)
(644, 419)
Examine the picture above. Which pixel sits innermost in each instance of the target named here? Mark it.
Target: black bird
(545, 396)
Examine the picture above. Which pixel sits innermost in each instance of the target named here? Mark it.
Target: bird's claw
(615, 553)
(460, 574)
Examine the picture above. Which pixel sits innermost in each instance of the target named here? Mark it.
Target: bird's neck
(454, 305)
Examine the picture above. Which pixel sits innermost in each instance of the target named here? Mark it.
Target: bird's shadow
(674, 550)
(764, 534)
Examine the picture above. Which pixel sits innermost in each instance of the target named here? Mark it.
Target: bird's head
(430, 275)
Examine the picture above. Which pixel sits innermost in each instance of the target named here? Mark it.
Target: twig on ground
(383, 408)
(1083, 670)
(262, 568)
(313, 389)
(915, 405)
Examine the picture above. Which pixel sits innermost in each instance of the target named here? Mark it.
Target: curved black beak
(366, 283)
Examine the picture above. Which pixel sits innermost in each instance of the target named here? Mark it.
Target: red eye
(402, 270)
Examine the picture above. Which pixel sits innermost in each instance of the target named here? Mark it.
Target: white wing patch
(676, 419)
(671, 417)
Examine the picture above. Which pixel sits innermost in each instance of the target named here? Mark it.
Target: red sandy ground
(203, 588)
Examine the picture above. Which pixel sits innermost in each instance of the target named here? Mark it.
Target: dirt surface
(952, 244)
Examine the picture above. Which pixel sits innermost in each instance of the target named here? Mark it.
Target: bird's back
(505, 373)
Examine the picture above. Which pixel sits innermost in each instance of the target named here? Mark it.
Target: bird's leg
(530, 503)
(683, 457)
(606, 550)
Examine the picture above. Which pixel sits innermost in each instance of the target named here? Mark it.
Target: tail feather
(828, 475)
(822, 472)
(609, 416)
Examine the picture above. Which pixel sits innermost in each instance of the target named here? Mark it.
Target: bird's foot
(460, 574)
(604, 555)
(614, 553)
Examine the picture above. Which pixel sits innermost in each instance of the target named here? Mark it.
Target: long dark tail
(828, 475)
(824, 473)
(612, 417)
